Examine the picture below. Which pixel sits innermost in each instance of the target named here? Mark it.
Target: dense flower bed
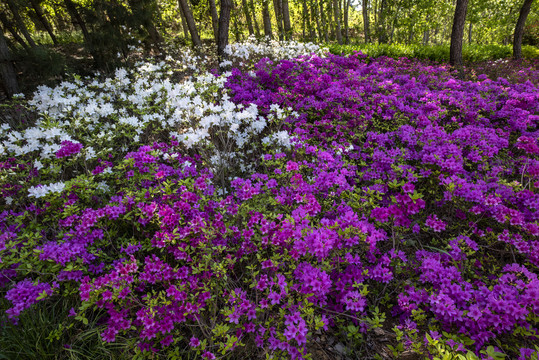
(248, 213)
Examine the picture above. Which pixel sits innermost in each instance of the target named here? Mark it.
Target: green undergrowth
(440, 53)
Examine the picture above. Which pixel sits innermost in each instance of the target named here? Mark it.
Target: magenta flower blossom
(68, 148)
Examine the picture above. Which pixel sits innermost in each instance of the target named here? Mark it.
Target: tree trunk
(286, 20)
(366, 20)
(455, 49)
(234, 16)
(316, 16)
(519, 29)
(184, 25)
(425, 37)
(247, 14)
(267, 19)
(331, 23)
(77, 19)
(279, 18)
(43, 20)
(145, 15)
(337, 21)
(304, 20)
(470, 33)
(224, 23)
(20, 24)
(323, 19)
(214, 20)
(184, 7)
(346, 26)
(7, 71)
(9, 27)
(255, 21)
(382, 38)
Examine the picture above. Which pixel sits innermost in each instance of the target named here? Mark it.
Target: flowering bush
(246, 214)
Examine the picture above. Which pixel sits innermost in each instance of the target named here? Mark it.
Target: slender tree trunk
(143, 12)
(346, 26)
(184, 7)
(9, 27)
(304, 20)
(214, 20)
(455, 49)
(7, 71)
(43, 20)
(279, 17)
(184, 25)
(425, 37)
(382, 38)
(267, 19)
(470, 33)
(316, 16)
(365, 11)
(286, 20)
(255, 21)
(234, 16)
(394, 25)
(337, 21)
(313, 20)
(20, 24)
(310, 22)
(77, 19)
(331, 23)
(224, 23)
(519, 29)
(323, 20)
(247, 14)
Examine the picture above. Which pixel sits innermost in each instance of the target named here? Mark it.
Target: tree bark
(346, 26)
(214, 20)
(43, 20)
(224, 23)
(323, 20)
(267, 19)
(316, 16)
(279, 18)
(255, 21)
(331, 23)
(20, 24)
(455, 49)
(382, 38)
(247, 14)
(286, 20)
(519, 29)
(77, 19)
(337, 21)
(184, 7)
(145, 15)
(234, 17)
(9, 27)
(184, 25)
(7, 71)
(366, 20)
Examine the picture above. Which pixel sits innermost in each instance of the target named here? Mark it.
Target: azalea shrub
(247, 214)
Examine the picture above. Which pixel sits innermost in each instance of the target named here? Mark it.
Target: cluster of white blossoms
(272, 49)
(43, 190)
(40, 138)
(142, 104)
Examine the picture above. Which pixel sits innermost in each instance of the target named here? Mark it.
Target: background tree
(7, 71)
(455, 49)
(519, 29)
(224, 22)
(186, 11)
